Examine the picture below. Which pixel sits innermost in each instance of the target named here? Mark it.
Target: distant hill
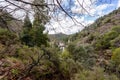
(58, 37)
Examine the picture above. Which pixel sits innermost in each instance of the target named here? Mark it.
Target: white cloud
(66, 25)
(89, 8)
(82, 6)
(118, 5)
(99, 9)
(62, 23)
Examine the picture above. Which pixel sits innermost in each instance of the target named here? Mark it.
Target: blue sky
(86, 16)
(60, 22)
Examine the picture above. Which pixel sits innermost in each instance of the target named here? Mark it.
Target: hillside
(58, 37)
(92, 54)
(100, 40)
(101, 26)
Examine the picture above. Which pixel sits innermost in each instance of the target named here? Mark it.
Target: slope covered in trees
(92, 54)
(99, 43)
(58, 37)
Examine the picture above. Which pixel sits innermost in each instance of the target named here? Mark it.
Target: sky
(92, 11)
(82, 16)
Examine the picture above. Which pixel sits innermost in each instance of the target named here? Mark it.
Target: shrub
(115, 42)
(34, 37)
(78, 53)
(91, 37)
(65, 54)
(105, 41)
(96, 74)
(83, 54)
(15, 71)
(7, 37)
(70, 67)
(111, 35)
(116, 56)
(108, 37)
(106, 20)
(26, 54)
(71, 47)
(117, 29)
(113, 68)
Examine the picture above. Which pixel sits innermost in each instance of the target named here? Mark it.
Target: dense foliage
(33, 35)
(92, 54)
(108, 39)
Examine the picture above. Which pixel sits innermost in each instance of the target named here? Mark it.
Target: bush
(106, 20)
(15, 71)
(65, 54)
(111, 35)
(116, 56)
(107, 38)
(69, 67)
(45, 61)
(71, 47)
(105, 41)
(77, 52)
(83, 53)
(117, 29)
(115, 42)
(96, 74)
(25, 53)
(34, 37)
(7, 37)
(90, 38)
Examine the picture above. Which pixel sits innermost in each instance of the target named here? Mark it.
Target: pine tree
(26, 37)
(33, 35)
(41, 12)
(40, 38)
(40, 19)
(27, 23)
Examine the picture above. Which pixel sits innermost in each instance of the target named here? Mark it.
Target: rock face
(9, 22)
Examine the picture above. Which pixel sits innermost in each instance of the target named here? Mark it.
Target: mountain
(92, 54)
(58, 37)
(99, 41)
(101, 26)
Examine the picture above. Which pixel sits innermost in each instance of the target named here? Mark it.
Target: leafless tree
(53, 8)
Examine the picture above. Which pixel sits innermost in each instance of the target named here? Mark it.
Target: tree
(40, 19)
(39, 37)
(53, 7)
(33, 36)
(26, 37)
(27, 23)
(41, 12)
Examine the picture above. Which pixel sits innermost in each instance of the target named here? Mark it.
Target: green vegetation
(108, 39)
(96, 74)
(116, 56)
(115, 42)
(83, 53)
(7, 37)
(33, 36)
(92, 54)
